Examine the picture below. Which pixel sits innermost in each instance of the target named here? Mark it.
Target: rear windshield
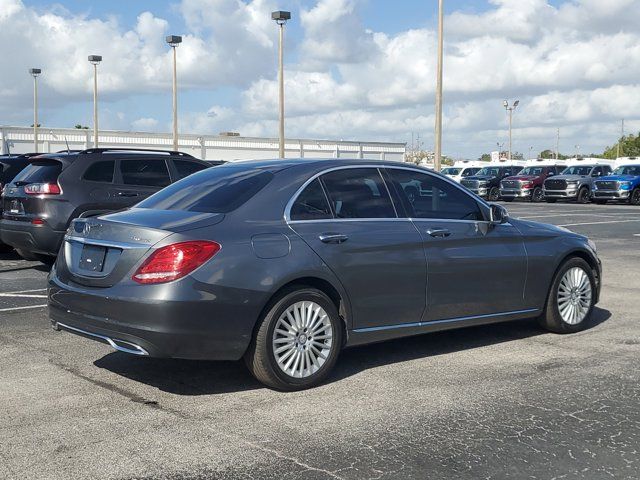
(40, 172)
(214, 190)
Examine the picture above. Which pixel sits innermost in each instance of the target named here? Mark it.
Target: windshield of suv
(531, 171)
(581, 170)
(489, 171)
(627, 170)
(451, 171)
(214, 190)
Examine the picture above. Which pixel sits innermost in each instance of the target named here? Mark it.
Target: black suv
(486, 183)
(55, 188)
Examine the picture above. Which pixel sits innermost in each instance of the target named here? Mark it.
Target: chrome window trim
(294, 197)
(106, 243)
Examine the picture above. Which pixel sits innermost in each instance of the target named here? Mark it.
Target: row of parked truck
(582, 180)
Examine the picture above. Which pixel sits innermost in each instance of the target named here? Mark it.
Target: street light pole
(34, 73)
(510, 109)
(438, 134)
(281, 18)
(174, 41)
(95, 60)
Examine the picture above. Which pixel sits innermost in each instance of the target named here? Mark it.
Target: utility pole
(95, 60)
(34, 73)
(281, 18)
(510, 109)
(438, 139)
(174, 41)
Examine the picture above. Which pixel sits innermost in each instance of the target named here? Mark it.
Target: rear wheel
(583, 195)
(537, 196)
(635, 197)
(494, 194)
(571, 298)
(298, 341)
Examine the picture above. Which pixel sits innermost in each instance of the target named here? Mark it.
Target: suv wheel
(635, 197)
(494, 194)
(583, 195)
(538, 195)
(297, 342)
(570, 300)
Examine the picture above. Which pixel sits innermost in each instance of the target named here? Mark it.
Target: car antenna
(7, 146)
(67, 142)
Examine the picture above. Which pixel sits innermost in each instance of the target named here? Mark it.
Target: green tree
(629, 147)
(485, 157)
(81, 127)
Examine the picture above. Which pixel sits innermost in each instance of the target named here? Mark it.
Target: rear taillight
(42, 189)
(175, 261)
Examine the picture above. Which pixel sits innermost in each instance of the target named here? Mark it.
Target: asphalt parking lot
(498, 401)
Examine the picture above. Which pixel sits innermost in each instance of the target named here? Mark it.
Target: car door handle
(333, 238)
(439, 232)
(128, 194)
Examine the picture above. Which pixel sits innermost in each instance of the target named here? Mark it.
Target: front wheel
(297, 342)
(537, 196)
(635, 197)
(571, 297)
(494, 194)
(583, 196)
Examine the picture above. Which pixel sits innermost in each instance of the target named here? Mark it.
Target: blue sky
(356, 69)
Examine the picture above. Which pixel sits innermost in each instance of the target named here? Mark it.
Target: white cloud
(145, 124)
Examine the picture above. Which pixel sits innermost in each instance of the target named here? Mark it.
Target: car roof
(276, 164)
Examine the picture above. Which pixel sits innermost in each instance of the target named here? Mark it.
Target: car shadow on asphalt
(12, 256)
(191, 377)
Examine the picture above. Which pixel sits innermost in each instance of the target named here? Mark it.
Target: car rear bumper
(32, 238)
(192, 329)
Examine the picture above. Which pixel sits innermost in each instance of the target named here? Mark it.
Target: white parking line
(13, 309)
(25, 294)
(25, 291)
(597, 223)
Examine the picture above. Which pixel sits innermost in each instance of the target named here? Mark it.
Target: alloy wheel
(574, 296)
(538, 195)
(302, 339)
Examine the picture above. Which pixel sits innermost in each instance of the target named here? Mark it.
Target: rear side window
(358, 193)
(40, 172)
(185, 168)
(214, 190)
(100, 172)
(145, 172)
(311, 204)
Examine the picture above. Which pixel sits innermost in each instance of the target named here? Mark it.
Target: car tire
(494, 194)
(537, 195)
(634, 199)
(583, 196)
(304, 361)
(571, 298)
(551, 200)
(27, 255)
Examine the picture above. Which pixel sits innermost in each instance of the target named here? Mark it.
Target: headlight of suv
(625, 185)
(572, 183)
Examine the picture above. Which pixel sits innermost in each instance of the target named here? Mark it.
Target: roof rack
(134, 151)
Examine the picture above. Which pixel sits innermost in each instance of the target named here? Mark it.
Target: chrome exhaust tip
(119, 345)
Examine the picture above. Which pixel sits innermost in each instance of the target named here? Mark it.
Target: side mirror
(550, 174)
(595, 174)
(499, 214)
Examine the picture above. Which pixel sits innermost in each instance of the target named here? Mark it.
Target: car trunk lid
(101, 251)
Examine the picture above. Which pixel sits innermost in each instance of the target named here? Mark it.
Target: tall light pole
(95, 60)
(174, 41)
(438, 134)
(510, 109)
(281, 18)
(34, 73)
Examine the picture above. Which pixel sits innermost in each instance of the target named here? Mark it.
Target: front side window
(358, 193)
(628, 170)
(451, 171)
(577, 170)
(311, 204)
(145, 172)
(532, 171)
(100, 172)
(427, 196)
(467, 172)
(489, 172)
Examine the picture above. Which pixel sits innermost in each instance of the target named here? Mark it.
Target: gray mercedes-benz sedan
(285, 262)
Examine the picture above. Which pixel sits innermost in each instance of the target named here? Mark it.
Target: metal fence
(208, 147)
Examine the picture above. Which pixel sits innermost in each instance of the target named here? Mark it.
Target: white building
(208, 147)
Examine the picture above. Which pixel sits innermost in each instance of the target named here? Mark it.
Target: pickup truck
(486, 183)
(622, 185)
(574, 183)
(528, 183)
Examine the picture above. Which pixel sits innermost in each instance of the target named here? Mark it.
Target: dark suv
(486, 183)
(53, 189)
